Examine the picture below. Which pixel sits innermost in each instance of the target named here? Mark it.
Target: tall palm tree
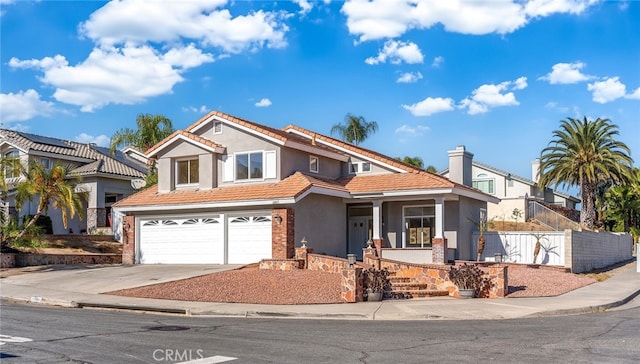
(355, 129)
(584, 153)
(151, 130)
(622, 203)
(52, 188)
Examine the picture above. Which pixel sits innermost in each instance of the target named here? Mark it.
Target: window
(353, 168)
(359, 167)
(248, 166)
(12, 169)
(366, 167)
(484, 184)
(188, 172)
(313, 164)
(45, 163)
(419, 224)
(217, 127)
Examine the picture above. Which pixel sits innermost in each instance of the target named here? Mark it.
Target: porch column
(377, 226)
(439, 233)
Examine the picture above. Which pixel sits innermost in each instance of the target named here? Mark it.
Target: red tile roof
(394, 182)
(194, 137)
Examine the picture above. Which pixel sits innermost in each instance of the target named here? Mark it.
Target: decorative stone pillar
(302, 254)
(128, 240)
(439, 250)
(498, 274)
(282, 233)
(352, 285)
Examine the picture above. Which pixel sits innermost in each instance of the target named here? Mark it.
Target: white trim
(355, 154)
(404, 227)
(241, 127)
(316, 150)
(218, 149)
(198, 206)
(214, 127)
(323, 191)
(248, 179)
(177, 174)
(317, 160)
(270, 164)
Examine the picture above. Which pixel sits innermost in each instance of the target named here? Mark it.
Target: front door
(359, 234)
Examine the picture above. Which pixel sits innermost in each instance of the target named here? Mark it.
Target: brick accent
(282, 233)
(439, 250)
(352, 285)
(377, 244)
(128, 240)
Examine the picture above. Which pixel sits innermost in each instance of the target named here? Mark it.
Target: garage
(201, 239)
(249, 239)
(197, 240)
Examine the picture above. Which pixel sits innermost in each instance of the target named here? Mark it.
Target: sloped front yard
(252, 285)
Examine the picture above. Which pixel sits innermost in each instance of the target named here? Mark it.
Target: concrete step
(409, 293)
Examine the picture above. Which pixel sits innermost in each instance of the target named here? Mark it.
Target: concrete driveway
(102, 278)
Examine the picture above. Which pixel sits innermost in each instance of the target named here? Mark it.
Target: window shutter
(227, 174)
(270, 170)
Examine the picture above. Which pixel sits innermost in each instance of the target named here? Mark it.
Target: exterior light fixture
(498, 257)
(278, 219)
(304, 242)
(351, 258)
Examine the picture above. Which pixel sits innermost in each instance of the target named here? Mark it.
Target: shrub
(376, 280)
(469, 276)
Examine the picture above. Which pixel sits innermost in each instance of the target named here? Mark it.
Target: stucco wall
(586, 250)
(322, 221)
(296, 160)
(467, 208)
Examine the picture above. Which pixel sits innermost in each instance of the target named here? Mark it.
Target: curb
(41, 301)
(589, 309)
(125, 307)
(283, 315)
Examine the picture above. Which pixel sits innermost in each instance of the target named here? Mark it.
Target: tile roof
(99, 160)
(290, 187)
(188, 135)
(394, 182)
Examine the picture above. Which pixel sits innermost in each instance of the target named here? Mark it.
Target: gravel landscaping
(252, 285)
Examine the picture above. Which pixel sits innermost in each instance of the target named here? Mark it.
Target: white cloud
(101, 140)
(202, 109)
(409, 77)
(121, 22)
(417, 130)
(305, 6)
(489, 96)
(397, 52)
(564, 73)
(126, 75)
(608, 90)
(430, 106)
(437, 62)
(379, 19)
(23, 105)
(634, 95)
(552, 105)
(263, 103)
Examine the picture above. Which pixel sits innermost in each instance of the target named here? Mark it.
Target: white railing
(546, 216)
(519, 246)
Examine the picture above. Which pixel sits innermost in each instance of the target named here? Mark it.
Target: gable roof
(188, 137)
(92, 158)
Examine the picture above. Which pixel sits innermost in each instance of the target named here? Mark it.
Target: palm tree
(482, 224)
(151, 130)
(53, 189)
(414, 161)
(622, 203)
(584, 153)
(355, 129)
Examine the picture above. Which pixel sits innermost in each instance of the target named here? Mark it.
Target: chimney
(460, 164)
(535, 170)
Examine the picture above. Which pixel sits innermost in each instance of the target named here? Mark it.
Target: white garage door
(198, 240)
(249, 239)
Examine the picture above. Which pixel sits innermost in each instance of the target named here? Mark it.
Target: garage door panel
(249, 239)
(181, 241)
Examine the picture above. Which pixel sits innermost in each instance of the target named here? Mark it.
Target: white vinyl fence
(578, 250)
(518, 246)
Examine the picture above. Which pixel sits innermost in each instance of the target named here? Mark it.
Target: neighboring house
(233, 191)
(105, 178)
(513, 191)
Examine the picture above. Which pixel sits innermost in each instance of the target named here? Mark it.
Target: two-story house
(514, 192)
(234, 191)
(103, 177)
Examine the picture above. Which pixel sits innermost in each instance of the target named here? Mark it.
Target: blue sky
(496, 76)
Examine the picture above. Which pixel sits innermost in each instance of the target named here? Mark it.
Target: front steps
(405, 288)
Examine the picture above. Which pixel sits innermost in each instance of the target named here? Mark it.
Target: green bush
(44, 222)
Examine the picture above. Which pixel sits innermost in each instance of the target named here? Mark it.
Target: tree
(151, 130)
(584, 153)
(622, 203)
(414, 161)
(355, 129)
(9, 167)
(53, 189)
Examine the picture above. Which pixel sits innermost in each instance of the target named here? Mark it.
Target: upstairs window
(249, 166)
(188, 172)
(353, 168)
(359, 167)
(313, 164)
(12, 169)
(484, 183)
(45, 163)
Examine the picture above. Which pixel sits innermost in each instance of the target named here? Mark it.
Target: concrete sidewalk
(80, 287)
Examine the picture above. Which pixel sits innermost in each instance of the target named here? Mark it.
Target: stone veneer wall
(7, 260)
(27, 260)
(281, 264)
(326, 263)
